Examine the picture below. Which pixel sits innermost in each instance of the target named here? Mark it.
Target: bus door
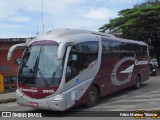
(82, 67)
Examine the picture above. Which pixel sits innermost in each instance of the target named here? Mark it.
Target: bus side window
(115, 48)
(144, 51)
(138, 50)
(82, 56)
(125, 50)
(106, 50)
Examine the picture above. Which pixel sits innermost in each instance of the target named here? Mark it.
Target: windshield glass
(40, 67)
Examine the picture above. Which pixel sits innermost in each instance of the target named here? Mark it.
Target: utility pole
(42, 18)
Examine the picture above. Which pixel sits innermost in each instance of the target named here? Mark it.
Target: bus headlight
(58, 97)
(18, 94)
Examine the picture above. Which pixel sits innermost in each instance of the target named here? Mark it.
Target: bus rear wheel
(93, 97)
(138, 82)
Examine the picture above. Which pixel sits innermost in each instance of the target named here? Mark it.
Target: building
(10, 68)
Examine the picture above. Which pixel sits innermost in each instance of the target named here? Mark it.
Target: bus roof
(76, 35)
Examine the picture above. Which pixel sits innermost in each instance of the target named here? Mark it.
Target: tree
(139, 23)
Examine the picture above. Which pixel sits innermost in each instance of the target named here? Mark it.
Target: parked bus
(65, 68)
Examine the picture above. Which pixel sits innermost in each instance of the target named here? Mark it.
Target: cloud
(21, 16)
(50, 7)
(99, 14)
(121, 2)
(10, 26)
(20, 19)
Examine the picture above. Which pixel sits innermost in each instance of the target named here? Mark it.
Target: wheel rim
(92, 96)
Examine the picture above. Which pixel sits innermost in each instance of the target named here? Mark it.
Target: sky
(23, 18)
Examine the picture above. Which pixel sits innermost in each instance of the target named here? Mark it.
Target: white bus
(65, 68)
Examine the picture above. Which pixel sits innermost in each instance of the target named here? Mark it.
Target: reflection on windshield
(40, 66)
(29, 60)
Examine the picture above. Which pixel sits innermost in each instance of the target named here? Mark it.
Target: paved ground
(146, 98)
(7, 97)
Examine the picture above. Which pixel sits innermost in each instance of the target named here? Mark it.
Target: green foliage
(139, 23)
(136, 23)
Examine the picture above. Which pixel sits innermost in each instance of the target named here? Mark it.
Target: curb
(13, 99)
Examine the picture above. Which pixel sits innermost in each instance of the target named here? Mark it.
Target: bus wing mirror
(11, 50)
(62, 49)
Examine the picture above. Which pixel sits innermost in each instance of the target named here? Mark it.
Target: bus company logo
(29, 90)
(128, 70)
(144, 62)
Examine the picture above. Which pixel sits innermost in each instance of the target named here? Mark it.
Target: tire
(138, 82)
(93, 97)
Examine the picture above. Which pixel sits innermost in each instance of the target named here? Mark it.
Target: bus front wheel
(93, 97)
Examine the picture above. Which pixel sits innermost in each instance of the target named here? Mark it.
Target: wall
(9, 68)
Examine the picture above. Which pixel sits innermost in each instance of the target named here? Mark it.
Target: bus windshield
(40, 67)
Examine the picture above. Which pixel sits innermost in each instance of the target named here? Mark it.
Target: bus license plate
(33, 104)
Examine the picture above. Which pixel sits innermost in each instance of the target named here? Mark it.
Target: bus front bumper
(52, 103)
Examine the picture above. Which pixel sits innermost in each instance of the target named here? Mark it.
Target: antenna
(37, 28)
(42, 17)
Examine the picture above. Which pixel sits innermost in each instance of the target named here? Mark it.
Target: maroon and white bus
(64, 68)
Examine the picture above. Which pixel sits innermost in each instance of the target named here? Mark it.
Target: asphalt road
(146, 98)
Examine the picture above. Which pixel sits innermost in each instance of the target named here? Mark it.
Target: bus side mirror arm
(62, 49)
(11, 50)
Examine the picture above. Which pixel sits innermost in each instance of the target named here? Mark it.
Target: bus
(64, 68)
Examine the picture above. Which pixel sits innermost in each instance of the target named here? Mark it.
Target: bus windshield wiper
(37, 70)
(41, 74)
